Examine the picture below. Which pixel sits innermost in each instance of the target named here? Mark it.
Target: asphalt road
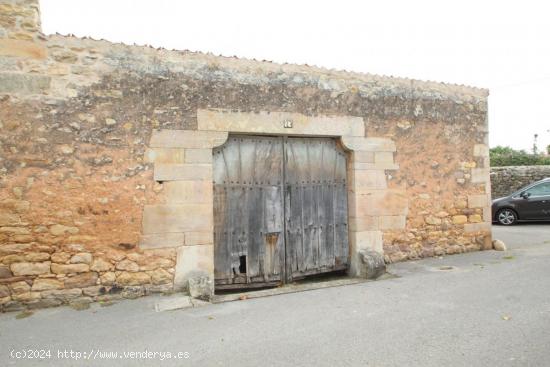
(478, 309)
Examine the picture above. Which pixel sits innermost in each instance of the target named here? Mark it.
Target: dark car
(531, 202)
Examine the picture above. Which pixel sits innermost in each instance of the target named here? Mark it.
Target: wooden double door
(280, 210)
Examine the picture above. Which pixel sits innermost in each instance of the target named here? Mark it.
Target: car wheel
(507, 217)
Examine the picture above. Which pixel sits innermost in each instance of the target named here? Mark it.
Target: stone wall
(76, 174)
(506, 180)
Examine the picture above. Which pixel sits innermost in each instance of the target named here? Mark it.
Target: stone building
(115, 181)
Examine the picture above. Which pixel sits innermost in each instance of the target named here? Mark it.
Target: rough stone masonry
(106, 150)
(505, 180)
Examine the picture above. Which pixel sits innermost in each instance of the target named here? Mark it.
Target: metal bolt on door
(280, 210)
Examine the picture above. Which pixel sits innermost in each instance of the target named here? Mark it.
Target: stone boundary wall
(506, 180)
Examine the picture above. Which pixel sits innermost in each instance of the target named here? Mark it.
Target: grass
(24, 314)
(80, 306)
(446, 267)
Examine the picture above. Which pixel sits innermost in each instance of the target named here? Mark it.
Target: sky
(503, 46)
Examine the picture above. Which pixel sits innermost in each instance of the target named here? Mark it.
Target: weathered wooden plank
(328, 224)
(317, 167)
(295, 243)
(341, 223)
(255, 221)
(250, 170)
(222, 257)
(235, 229)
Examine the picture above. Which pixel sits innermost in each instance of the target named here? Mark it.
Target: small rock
(114, 255)
(5, 272)
(158, 187)
(4, 291)
(8, 219)
(101, 265)
(110, 122)
(66, 149)
(430, 219)
(60, 230)
(81, 280)
(30, 268)
(498, 245)
(19, 287)
(160, 276)
(94, 291)
(75, 125)
(128, 278)
(372, 264)
(475, 218)
(460, 219)
(82, 258)
(71, 268)
(201, 288)
(62, 294)
(75, 247)
(86, 117)
(133, 292)
(60, 257)
(155, 263)
(404, 125)
(37, 256)
(127, 265)
(46, 285)
(26, 297)
(18, 192)
(108, 278)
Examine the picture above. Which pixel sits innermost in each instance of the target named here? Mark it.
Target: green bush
(506, 156)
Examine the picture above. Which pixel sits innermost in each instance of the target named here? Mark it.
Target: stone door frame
(182, 161)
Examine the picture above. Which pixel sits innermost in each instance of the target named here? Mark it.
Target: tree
(506, 156)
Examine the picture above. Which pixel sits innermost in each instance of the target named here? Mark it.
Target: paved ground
(490, 309)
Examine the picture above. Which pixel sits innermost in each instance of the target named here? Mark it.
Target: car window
(542, 189)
